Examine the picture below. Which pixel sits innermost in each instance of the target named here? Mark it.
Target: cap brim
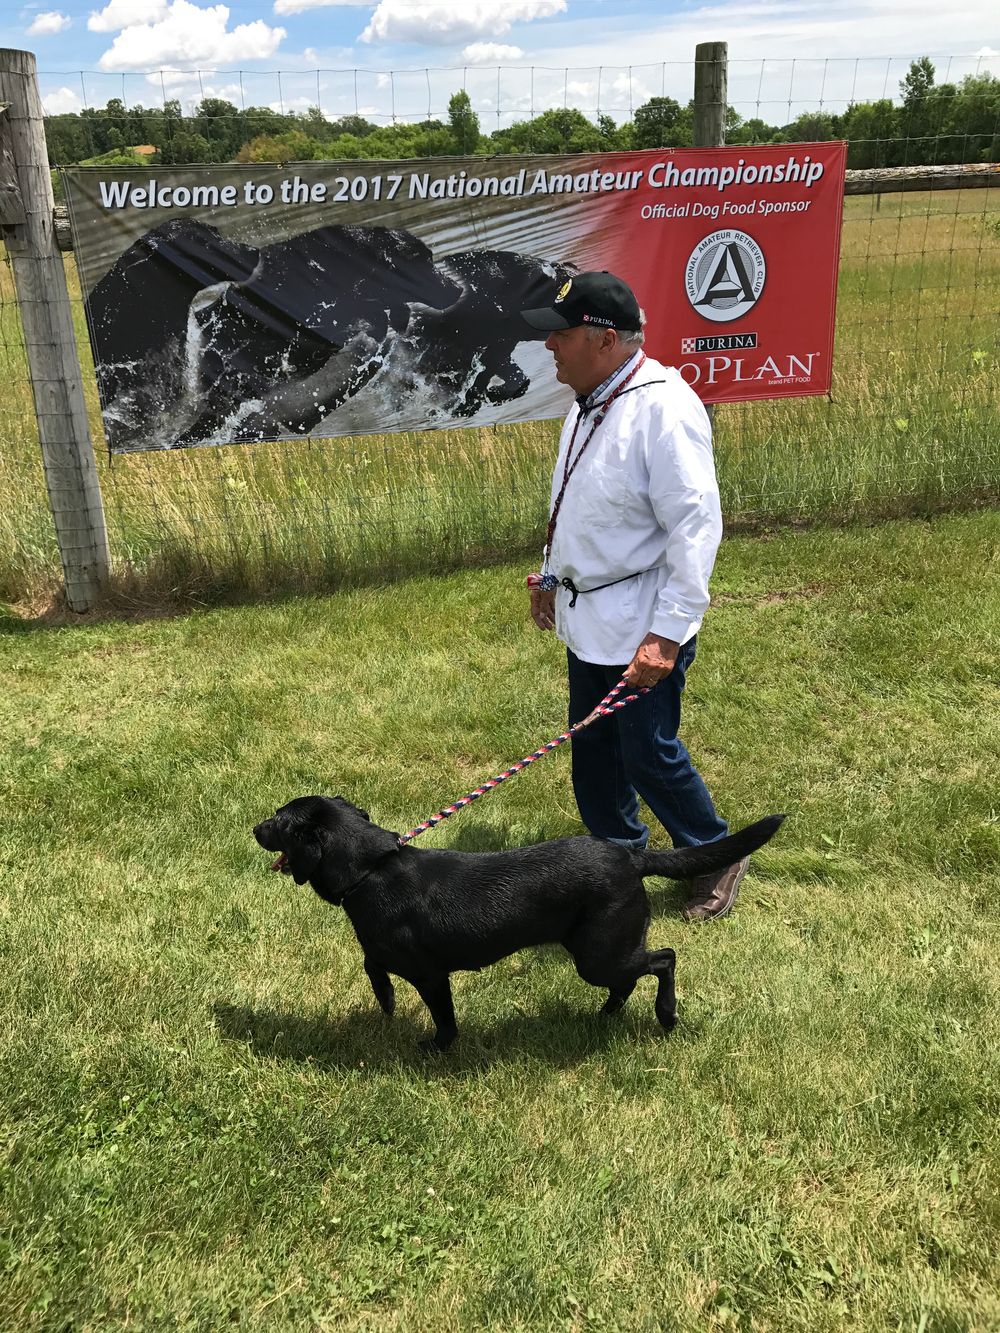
(545, 318)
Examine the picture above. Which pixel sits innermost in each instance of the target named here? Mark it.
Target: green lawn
(206, 1122)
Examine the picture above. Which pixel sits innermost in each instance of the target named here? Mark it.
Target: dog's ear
(304, 855)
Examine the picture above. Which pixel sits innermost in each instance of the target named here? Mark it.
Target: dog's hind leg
(436, 994)
(617, 997)
(609, 950)
(662, 964)
(382, 986)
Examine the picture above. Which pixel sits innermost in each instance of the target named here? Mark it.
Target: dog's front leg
(436, 994)
(382, 985)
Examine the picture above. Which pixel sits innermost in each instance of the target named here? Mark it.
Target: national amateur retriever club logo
(725, 275)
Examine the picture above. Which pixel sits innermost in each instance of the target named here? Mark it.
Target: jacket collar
(587, 402)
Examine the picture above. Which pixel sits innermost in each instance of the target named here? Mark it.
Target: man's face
(580, 359)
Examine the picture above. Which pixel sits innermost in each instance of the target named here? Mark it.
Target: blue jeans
(636, 750)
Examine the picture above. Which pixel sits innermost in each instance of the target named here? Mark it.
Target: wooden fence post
(50, 342)
(710, 93)
(711, 80)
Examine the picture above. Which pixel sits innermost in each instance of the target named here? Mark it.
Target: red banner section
(734, 254)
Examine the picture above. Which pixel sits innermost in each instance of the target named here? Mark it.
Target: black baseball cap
(598, 299)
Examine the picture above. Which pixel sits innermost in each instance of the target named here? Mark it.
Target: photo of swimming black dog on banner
(241, 343)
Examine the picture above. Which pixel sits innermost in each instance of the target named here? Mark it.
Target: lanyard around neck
(569, 466)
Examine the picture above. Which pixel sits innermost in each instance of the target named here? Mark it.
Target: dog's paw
(431, 1046)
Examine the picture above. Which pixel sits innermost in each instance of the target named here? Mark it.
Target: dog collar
(338, 902)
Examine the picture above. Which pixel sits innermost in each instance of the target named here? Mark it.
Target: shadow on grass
(559, 1035)
(170, 593)
(478, 837)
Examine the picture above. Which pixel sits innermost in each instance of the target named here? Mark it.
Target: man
(635, 525)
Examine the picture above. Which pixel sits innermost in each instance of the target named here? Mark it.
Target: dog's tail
(687, 862)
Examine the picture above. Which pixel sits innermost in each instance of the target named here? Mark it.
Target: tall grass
(911, 427)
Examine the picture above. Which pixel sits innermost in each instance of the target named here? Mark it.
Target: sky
(403, 59)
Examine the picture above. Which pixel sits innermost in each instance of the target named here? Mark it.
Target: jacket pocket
(603, 497)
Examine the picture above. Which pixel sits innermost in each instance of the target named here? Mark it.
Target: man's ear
(304, 856)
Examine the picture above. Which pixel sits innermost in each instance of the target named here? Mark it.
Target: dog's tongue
(280, 863)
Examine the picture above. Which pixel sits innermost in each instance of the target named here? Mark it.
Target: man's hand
(654, 659)
(543, 608)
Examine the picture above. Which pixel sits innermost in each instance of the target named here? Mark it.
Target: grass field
(912, 428)
(206, 1122)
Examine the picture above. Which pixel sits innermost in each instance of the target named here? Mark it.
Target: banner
(231, 304)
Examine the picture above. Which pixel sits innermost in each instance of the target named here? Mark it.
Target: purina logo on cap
(589, 298)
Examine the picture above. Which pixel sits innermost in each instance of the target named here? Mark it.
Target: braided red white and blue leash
(605, 708)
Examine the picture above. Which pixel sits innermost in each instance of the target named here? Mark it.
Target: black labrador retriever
(422, 915)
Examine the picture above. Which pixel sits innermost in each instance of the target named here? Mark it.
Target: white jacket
(644, 497)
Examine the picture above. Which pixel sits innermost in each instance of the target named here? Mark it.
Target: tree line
(931, 123)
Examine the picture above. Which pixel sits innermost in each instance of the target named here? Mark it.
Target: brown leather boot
(713, 896)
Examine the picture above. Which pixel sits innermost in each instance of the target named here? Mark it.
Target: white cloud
(292, 105)
(439, 22)
(188, 35)
(987, 59)
(785, 56)
(118, 14)
(48, 24)
(630, 88)
(171, 78)
(189, 87)
(299, 6)
(61, 101)
(490, 53)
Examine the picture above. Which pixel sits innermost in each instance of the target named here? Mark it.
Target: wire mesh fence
(911, 425)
